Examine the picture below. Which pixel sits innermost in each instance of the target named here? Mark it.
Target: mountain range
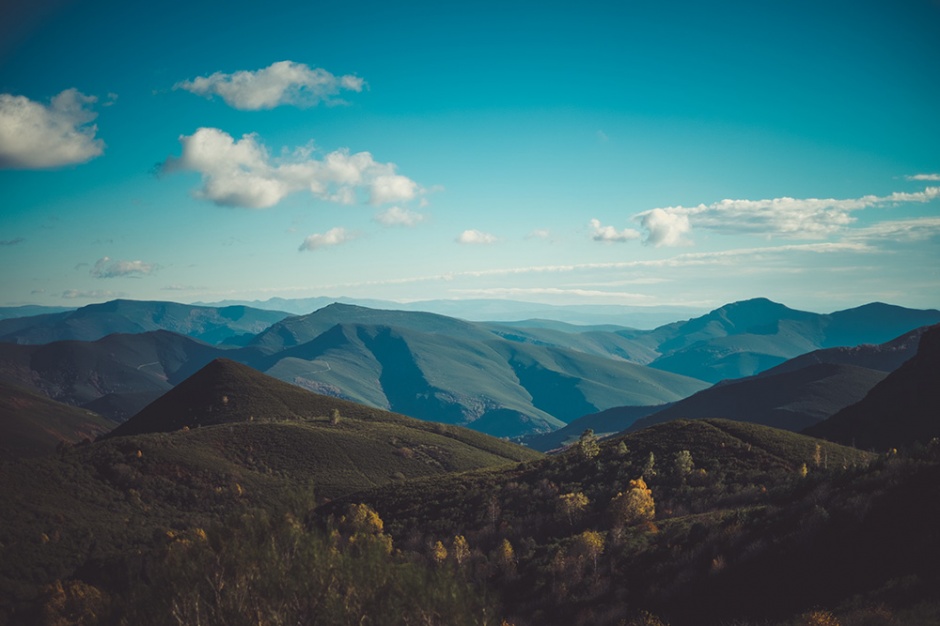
(503, 378)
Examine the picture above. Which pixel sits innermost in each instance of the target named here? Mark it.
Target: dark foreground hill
(33, 425)
(88, 513)
(732, 523)
(902, 409)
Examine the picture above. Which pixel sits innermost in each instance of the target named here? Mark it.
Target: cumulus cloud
(922, 177)
(107, 267)
(796, 218)
(332, 237)
(242, 173)
(281, 83)
(38, 136)
(11, 242)
(664, 228)
(474, 236)
(397, 216)
(610, 234)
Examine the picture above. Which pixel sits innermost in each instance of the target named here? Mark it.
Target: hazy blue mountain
(480, 310)
(468, 377)
(902, 409)
(294, 331)
(748, 337)
(212, 325)
(30, 310)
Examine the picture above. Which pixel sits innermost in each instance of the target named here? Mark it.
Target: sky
(632, 153)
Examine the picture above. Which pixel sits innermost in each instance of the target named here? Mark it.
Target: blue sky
(639, 153)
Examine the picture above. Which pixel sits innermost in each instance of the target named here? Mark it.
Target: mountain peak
(225, 392)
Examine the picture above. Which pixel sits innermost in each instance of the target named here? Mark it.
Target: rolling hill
(33, 425)
(902, 409)
(92, 322)
(116, 375)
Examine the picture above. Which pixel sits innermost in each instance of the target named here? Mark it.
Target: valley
(384, 446)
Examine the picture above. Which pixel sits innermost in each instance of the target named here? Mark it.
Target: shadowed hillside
(33, 425)
(902, 409)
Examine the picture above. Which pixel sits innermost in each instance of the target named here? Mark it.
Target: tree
(649, 468)
(334, 417)
(587, 444)
(589, 545)
(571, 505)
(439, 553)
(634, 505)
(506, 558)
(682, 465)
(460, 549)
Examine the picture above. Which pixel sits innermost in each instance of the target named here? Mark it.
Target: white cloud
(905, 231)
(281, 83)
(540, 233)
(927, 177)
(516, 292)
(96, 294)
(242, 173)
(664, 228)
(609, 233)
(397, 216)
(474, 236)
(808, 218)
(36, 136)
(332, 237)
(107, 267)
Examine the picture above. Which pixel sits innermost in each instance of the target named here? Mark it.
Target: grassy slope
(33, 425)
(747, 540)
(104, 501)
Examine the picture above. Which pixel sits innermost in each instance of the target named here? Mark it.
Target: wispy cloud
(539, 233)
(242, 173)
(281, 83)
(182, 288)
(904, 231)
(332, 237)
(38, 136)
(11, 242)
(475, 237)
(107, 267)
(609, 234)
(924, 177)
(808, 218)
(517, 292)
(96, 294)
(398, 216)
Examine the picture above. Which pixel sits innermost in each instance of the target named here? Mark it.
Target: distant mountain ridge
(505, 379)
(92, 322)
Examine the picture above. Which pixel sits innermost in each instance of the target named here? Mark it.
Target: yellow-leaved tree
(633, 506)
